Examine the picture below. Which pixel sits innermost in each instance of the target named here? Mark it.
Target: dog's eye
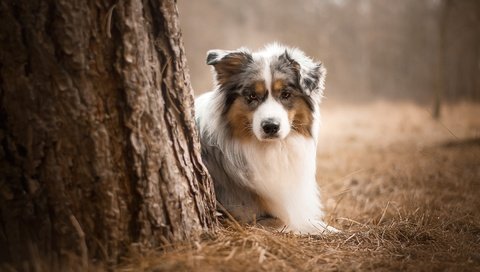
(252, 97)
(285, 95)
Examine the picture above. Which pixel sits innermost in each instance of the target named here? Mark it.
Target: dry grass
(403, 188)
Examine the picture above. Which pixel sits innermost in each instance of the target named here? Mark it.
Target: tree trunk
(442, 53)
(98, 150)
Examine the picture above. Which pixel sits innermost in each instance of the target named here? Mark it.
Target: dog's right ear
(228, 63)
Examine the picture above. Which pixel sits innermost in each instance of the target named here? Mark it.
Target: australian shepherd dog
(259, 129)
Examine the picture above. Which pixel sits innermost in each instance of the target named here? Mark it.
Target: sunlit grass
(404, 189)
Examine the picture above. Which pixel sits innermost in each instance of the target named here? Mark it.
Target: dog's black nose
(270, 126)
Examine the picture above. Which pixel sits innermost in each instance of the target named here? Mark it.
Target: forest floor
(403, 188)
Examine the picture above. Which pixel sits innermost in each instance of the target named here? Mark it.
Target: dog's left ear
(228, 64)
(311, 75)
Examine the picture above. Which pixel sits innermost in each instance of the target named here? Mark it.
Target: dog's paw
(331, 229)
(320, 227)
(314, 227)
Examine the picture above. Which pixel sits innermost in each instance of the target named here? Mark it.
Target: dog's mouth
(270, 137)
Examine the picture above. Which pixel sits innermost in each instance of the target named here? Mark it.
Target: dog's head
(268, 94)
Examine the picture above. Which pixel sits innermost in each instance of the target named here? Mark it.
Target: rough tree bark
(98, 150)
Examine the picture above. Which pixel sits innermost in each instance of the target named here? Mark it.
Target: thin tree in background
(98, 150)
(441, 82)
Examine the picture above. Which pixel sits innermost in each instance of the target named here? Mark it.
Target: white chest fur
(283, 174)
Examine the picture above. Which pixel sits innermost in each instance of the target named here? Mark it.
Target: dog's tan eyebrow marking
(259, 87)
(277, 86)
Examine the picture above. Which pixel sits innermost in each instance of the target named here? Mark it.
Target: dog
(258, 133)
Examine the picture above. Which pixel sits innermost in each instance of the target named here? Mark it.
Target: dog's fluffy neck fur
(284, 174)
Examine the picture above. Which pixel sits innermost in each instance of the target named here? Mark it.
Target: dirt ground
(403, 188)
